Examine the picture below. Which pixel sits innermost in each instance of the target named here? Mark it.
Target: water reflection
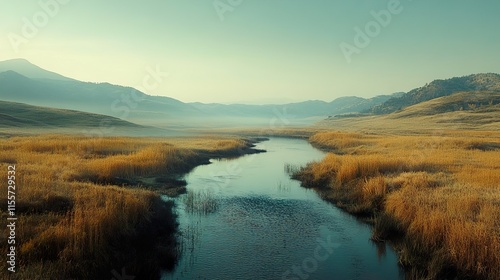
(245, 219)
(381, 249)
(283, 187)
(200, 201)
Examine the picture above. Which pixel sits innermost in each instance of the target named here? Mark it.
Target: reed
(70, 226)
(201, 201)
(435, 196)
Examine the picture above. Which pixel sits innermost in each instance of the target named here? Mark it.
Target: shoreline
(163, 245)
(98, 204)
(174, 185)
(352, 179)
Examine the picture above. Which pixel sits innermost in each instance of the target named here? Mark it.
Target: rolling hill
(22, 115)
(474, 101)
(462, 110)
(438, 88)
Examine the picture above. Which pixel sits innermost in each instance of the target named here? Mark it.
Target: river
(246, 219)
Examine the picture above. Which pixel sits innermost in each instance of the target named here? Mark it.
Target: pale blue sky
(263, 51)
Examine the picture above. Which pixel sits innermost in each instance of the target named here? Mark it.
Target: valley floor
(89, 206)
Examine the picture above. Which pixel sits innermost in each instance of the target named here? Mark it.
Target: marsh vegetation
(434, 196)
(79, 216)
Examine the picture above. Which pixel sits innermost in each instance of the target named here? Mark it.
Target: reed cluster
(435, 196)
(70, 226)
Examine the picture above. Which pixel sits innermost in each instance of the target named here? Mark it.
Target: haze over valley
(23, 82)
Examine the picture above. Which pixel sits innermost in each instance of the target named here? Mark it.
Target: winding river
(246, 219)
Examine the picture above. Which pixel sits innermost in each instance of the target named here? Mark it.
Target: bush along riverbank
(91, 208)
(435, 198)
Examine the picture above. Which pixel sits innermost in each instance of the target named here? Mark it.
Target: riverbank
(435, 197)
(250, 213)
(90, 208)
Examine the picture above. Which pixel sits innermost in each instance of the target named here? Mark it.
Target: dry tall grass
(71, 227)
(436, 195)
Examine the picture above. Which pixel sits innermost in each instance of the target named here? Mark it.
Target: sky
(256, 51)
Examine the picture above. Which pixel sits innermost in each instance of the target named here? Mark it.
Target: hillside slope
(462, 110)
(21, 115)
(25, 68)
(439, 88)
(474, 101)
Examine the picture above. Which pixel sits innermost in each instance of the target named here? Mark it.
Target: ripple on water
(264, 224)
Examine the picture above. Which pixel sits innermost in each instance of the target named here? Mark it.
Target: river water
(246, 219)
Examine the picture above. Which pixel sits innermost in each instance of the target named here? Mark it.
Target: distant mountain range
(21, 81)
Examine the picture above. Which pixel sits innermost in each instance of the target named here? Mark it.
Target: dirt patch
(487, 146)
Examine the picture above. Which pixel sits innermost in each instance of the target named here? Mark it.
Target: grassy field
(73, 225)
(435, 196)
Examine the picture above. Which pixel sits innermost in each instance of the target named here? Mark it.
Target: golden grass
(69, 225)
(338, 140)
(441, 190)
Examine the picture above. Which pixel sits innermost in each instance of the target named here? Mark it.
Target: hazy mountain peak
(27, 69)
(12, 75)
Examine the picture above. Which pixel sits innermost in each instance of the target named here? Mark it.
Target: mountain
(352, 104)
(25, 68)
(457, 98)
(438, 88)
(102, 98)
(21, 81)
(22, 115)
(301, 110)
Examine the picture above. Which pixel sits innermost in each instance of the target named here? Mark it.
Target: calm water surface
(257, 223)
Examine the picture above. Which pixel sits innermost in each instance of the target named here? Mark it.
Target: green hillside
(21, 115)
